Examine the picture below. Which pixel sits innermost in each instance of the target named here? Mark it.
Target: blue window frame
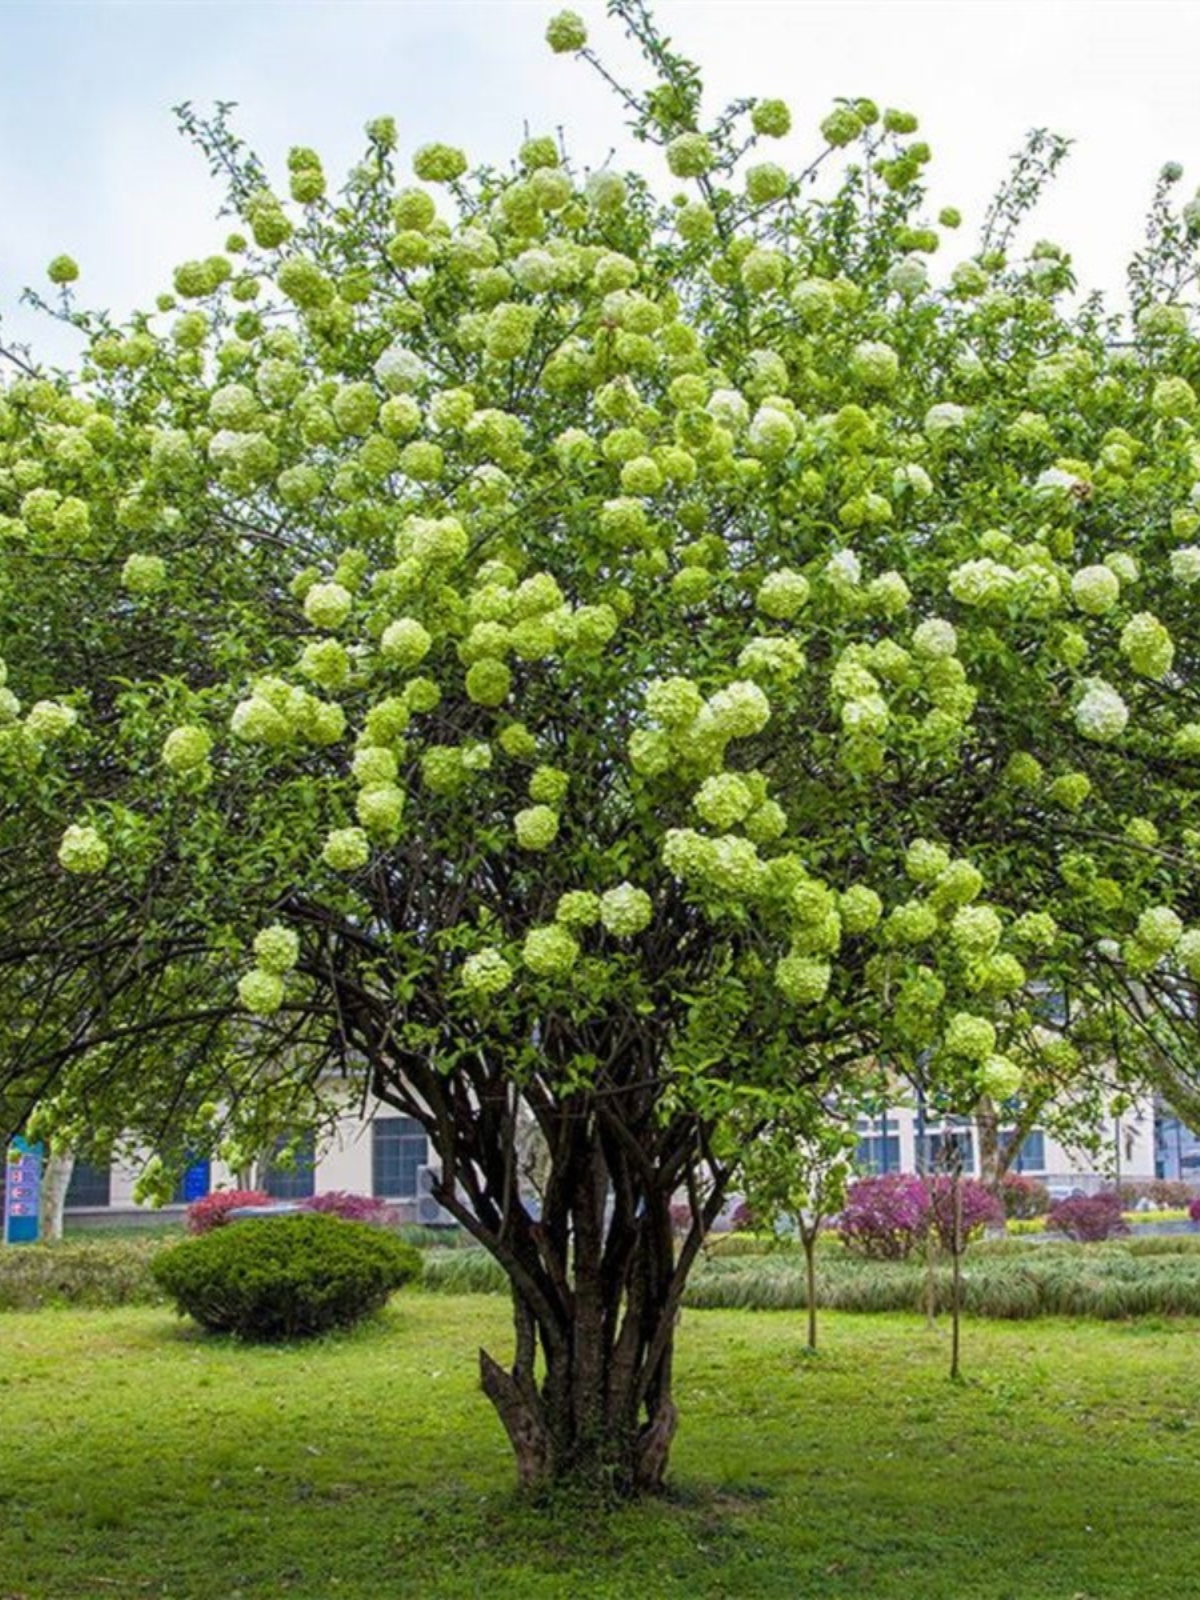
(295, 1180)
(398, 1148)
(90, 1185)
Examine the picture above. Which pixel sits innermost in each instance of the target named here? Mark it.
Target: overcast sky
(90, 163)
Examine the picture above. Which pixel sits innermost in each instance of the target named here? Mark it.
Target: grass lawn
(140, 1458)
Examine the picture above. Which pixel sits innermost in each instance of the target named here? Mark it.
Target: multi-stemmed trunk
(595, 1266)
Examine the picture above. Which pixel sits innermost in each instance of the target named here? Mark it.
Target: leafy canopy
(508, 617)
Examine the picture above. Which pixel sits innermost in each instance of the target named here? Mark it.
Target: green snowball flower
(860, 909)
(143, 574)
(625, 910)
(802, 980)
(277, 949)
(1147, 646)
(550, 952)
(690, 155)
(326, 662)
(375, 764)
(842, 126)
(380, 808)
(1101, 714)
(566, 33)
(486, 973)
(999, 1078)
(875, 364)
(1159, 930)
(771, 119)
(578, 908)
(82, 850)
(62, 270)
(186, 748)
(48, 720)
(1095, 590)
(724, 800)
(260, 992)
(439, 163)
(549, 786)
(346, 849)
(765, 183)
(327, 605)
(489, 682)
(536, 827)
(969, 1036)
(976, 931)
(925, 861)
(405, 642)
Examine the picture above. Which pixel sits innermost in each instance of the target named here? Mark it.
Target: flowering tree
(600, 662)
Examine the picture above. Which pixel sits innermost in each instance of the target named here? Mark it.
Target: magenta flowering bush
(1023, 1197)
(1194, 1209)
(884, 1218)
(1088, 1218)
(980, 1209)
(213, 1210)
(353, 1207)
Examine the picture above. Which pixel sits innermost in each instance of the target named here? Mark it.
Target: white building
(384, 1154)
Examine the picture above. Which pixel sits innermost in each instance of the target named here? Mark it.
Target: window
(1031, 1157)
(397, 1150)
(878, 1146)
(295, 1180)
(938, 1146)
(90, 1185)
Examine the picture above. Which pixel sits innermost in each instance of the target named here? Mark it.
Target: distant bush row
(213, 1211)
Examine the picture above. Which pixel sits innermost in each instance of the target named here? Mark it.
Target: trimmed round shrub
(279, 1278)
(213, 1210)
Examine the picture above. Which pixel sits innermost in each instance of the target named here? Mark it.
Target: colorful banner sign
(22, 1191)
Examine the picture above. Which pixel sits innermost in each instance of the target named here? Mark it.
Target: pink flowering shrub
(353, 1207)
(1194, 1209)
(980, 1209)
(1024, 1197)
(1088, 1218)
(884, 1218)
(213, 1210)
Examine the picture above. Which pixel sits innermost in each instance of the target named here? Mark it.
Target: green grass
(143, 1459)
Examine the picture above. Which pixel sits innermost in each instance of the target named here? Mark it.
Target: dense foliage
(278, 1278)
(602, 667)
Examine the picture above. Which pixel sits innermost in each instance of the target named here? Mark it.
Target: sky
(91, 164)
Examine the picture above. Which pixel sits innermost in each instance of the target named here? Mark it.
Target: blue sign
(22, 1192)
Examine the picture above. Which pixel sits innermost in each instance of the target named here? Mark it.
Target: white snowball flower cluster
(1095, 590)
(1101, 714)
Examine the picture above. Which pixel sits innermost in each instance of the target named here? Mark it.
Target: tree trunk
(808, 1238)
(594, 1268)
(56, 1179)
(602, 1415)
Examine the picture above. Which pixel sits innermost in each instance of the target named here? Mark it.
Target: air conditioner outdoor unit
(429, 1212)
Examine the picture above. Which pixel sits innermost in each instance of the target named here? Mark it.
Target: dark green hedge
(276, 1278)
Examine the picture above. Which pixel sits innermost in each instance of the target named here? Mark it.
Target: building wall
(343, 1158)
